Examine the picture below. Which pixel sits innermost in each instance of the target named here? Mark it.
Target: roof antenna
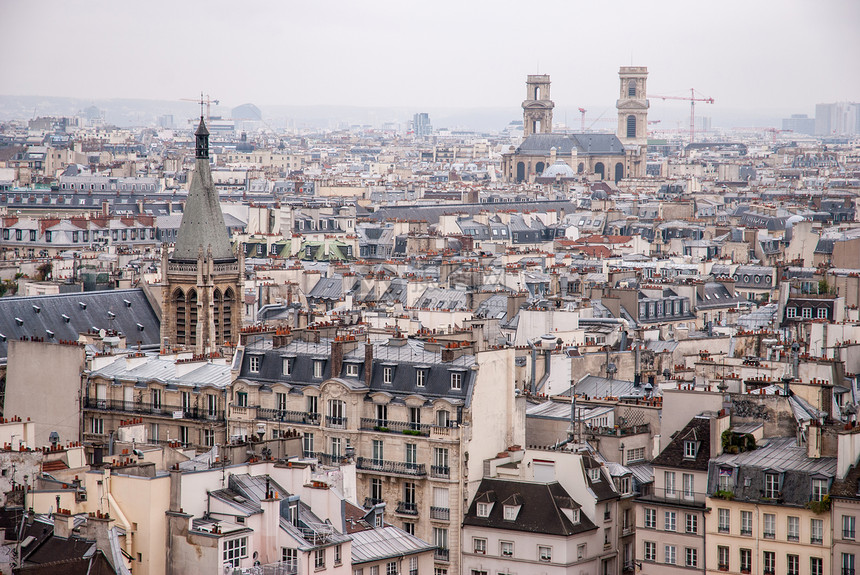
(201, 104)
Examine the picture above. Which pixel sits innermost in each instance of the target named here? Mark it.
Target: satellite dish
(102, 333)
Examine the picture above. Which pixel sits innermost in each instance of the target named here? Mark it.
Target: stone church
(201, 277)
(607, 156)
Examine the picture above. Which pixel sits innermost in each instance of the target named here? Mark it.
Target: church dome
(559, 170)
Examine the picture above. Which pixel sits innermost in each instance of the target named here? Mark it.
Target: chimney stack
(368, 363)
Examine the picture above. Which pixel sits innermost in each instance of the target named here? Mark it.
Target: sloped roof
(698, 430)
(384, 543)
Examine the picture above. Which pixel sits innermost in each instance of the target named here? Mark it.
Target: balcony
(396, 467)
(407, 508)
(722, 567)
(287, 416)
(440, 471)
(441, 554)
(326, 458)
(371, 501)
(440, 513)
(675, 497)
(450, 431)
(389, 426)
(723, 529)
(335, 422)
(746, 532)
(158, 409)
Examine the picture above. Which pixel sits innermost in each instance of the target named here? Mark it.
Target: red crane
(692, 99)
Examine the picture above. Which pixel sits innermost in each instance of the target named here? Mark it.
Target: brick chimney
(336, 357)
(368, 363)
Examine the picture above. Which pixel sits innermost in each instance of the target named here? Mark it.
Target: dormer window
(254, 363)
(456, 380)
(771, 485)
(318, 368)
(594, 474)
(352, 370)
(387, 375)
(690, 449)
(421, 377)
(286, 366)
(484, 509)
(511, 512)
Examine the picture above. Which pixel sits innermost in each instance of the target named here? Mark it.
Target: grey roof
(164, 370)
(594, 386)
(585, 144)
(67, 315)
(384, 543)
(202, 221)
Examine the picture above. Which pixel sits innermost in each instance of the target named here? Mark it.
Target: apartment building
(416, 418)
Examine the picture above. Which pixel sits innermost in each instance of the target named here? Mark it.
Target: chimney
(368, 363)
(336, 357)
(64, 523)
(175, 489)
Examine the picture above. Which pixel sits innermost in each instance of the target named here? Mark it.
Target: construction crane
(692, 99)
(203, 99)
(582, 112)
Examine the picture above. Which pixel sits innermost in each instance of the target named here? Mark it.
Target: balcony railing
(335, 422)
(371, 501)
(288, 416)
(441, 471)
(440, 513)
(793, 537)
(407, 508)
(384, 466)
(676, 496)
(391, 426)
(746, 531)
(326, 458)
(451, 431)
(847, 571)
(158, 409)
(441, 554)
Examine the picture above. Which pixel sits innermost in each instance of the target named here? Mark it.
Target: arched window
(227, 315)
(537, 92)
(631, 126)
(521, 171)
(181, 319)
(600, 170)
(539, 168)
(631, 88)
(191, 301)
(217, 300)
(619, 172)
(580, 168)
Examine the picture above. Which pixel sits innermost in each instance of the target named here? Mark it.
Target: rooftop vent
(66, 318)
(37, 309)
(111, 315)
(49, 333)
(127, 303)
(19, 321)
(140, 327)
(82, 304)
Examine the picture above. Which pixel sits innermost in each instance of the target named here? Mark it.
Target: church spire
(202, 141)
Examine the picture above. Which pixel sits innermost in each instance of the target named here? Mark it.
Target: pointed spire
(202, 141)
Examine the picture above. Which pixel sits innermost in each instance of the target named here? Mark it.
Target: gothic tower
(201, 278)
(537, 107)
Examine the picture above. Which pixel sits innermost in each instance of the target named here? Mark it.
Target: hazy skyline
(781, 56)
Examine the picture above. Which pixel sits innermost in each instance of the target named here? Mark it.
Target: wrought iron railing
(385, 466)
(158, 409)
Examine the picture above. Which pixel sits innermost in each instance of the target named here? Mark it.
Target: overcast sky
(783, 55)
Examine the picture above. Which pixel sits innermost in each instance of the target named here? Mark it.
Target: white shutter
(440, 497)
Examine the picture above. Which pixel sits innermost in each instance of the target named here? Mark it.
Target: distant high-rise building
(800, 124)
(840, 118)
(421, 125)
(165, 121)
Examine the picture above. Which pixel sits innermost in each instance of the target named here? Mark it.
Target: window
(847, 564)
(822, 313)
(820, 489)
(319, 559)
(669, 478)
(308, 444)
(336, 411)
(376, 489)
(631, 126)
(391, 568)
(723, 558)
(440, 537)
(724, 520)
(483, 509)
(848, 526)
(746, 560)
(669, 555)
(290, 557)
(415, 418)
(690, 449)
(771, 485)
(791, 312)
(420, 377)
(242, 398)
(769, 562)
(337, 555)
(506, 548)
(594, 474)
(318, 368)
(688, 485)
(816, 566)
(650, 551)
(650, 518)
(254, 363)
(234, 550)
(281, 401)
(97, 425)
(312, 404)
(793, 528)
(545, 553)
(411, 454)
(352, 370)
(793, 564)
(409, 527)
(183, 434)
(769, 526)
(746, 522)
(155, 397)
(286, 366)
(511, 512)
(634, 455)
(335, 447)
(692, 523)
(153, 431)
(387, 375)
(807, 313)
(209, 437)
(669, 521)
(816, 531)
(479, 545)
(381, 415)
(378, 452)
(691, 557)
(582, 550)
(440, 460)
(456, 380)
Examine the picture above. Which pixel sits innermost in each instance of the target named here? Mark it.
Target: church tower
(537, 107)
(633, 105)
(201, 278)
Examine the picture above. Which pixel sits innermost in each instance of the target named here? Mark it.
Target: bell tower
(537, 107)
(201, 277)
(633, 105)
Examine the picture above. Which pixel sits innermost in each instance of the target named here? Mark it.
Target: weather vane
(201, 104)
